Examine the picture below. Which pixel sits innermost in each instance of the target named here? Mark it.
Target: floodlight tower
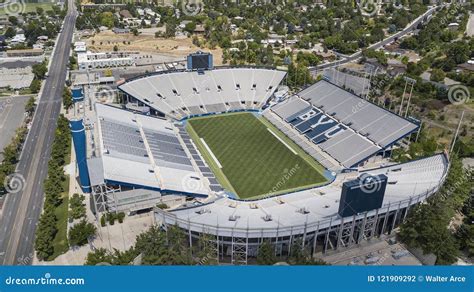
(411, 81)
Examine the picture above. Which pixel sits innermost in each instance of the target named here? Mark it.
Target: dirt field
(105, 41)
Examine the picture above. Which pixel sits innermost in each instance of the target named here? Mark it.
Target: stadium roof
(316, 208)
(142, 151)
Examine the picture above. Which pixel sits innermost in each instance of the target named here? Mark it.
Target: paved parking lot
(12, 114)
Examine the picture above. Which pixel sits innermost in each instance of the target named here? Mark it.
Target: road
(380, 44)
(470, 25)
(22, 209)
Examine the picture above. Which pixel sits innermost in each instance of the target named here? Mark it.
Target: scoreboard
(199, 61)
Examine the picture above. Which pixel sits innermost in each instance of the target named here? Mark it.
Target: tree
(107, 19)
(81, 232)
(98, 256)
(459, 52)
(39, 70)
(77, 206)
(30, 106)
(39, 10)
(266, 254)
(108, 72)
(164, 248)
(35, 86)
(72, 62)
(67, 98)
(10, 32)
(207, 253)
(45, 234)
(190, 27)
(13, 20)
(170, 30)
(103, 256)
(437, 75)
(427, 225)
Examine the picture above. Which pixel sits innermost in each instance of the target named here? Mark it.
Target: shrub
(102, 220)
(120, 217)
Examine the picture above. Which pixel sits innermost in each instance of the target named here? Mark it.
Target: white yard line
(212, 154)
(283, 142)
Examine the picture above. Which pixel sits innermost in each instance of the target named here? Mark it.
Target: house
(466, 67)
(453, 26)
(291, 42)
(118, 30)
(199, 29)
(18, 39)
(125, 14)
(42, 38)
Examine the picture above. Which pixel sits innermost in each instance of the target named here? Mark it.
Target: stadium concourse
(140, 158)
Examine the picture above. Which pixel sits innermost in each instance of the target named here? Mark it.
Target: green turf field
(254, 163)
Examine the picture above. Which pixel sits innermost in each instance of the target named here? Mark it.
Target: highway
(21, 210)
(412, 26)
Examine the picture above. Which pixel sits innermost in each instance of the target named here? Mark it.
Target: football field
(252, 158)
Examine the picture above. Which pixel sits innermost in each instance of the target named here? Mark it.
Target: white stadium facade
(138, 160)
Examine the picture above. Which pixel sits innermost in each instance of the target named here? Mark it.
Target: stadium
(237, 157)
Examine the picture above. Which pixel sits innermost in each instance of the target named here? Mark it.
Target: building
(138, 160)
(25, 53)
(18, 39)
(91, 60)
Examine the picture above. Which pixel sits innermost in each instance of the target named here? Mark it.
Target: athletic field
(252, 158)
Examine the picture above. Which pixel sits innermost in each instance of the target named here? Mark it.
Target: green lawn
(254, 162)
(60, 241)
(31, 7)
